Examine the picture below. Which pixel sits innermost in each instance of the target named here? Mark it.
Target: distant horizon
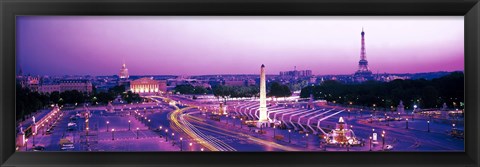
(234, 74)
(228, 45)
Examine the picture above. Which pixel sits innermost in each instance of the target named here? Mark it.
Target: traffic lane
(237, 141)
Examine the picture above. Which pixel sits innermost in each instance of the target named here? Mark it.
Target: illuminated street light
(107, 125)
(233, 121)
(113, 134)
(26, 144)
(191, 146)
(383, 140)
(137, 133)
(33, 141)
(428, 126)
(406, 123)
(181, 144)
(413, 112)
(370, 143)
(129, 124)
(289, 133)
(148, 123)
(166, 134)
(241, 123)
(306, 139)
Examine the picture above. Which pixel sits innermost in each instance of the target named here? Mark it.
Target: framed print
(239, 83)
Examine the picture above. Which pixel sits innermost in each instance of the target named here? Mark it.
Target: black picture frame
(9, 9)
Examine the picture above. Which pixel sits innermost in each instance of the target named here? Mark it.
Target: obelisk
(263, 118)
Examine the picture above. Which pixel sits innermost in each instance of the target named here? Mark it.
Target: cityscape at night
(248, 84)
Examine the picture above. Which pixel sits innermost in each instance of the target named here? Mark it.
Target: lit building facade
(148, 85)
(49, 88)
(81, 85)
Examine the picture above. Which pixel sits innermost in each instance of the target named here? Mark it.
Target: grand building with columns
(148, 85)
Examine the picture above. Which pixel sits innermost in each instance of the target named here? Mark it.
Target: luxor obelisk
(263, 118)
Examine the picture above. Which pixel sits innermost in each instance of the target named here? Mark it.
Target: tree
(131, 97)
(425, 93)
(184, 89)
(278, 90)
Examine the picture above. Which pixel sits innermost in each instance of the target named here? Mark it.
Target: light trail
(208, 142)
(237, 134)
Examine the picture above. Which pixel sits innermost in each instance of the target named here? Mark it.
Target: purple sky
(96, 45)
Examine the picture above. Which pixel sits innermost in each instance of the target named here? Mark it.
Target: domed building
(124, 72)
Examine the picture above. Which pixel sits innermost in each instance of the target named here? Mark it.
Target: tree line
(28, 101)
(423, 93)
(224, 91)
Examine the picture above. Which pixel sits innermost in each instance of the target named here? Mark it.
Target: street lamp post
(148, 124)
(33, 141)
(108, 122)
(129, 124)
(181, 144)
(137, 133)
(370, 143)
(233, 121)
(241, 123)
(113, 134)
(383, 140)
(191, 146)
(406, 123)
(413, 112)
(87, 131)
(173, 139)
(428, 126)
(166, 134)
(306, 140)
(26, 144)
(289, 133)
(160, 129)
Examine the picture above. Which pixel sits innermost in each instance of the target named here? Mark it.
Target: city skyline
(236, 45)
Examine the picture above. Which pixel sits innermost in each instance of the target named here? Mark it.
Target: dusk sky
(197, 45)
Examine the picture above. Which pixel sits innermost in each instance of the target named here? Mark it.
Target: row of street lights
(190, 144)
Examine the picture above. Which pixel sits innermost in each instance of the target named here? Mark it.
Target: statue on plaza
(400, 107)
(110, 107)
(444, 107)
